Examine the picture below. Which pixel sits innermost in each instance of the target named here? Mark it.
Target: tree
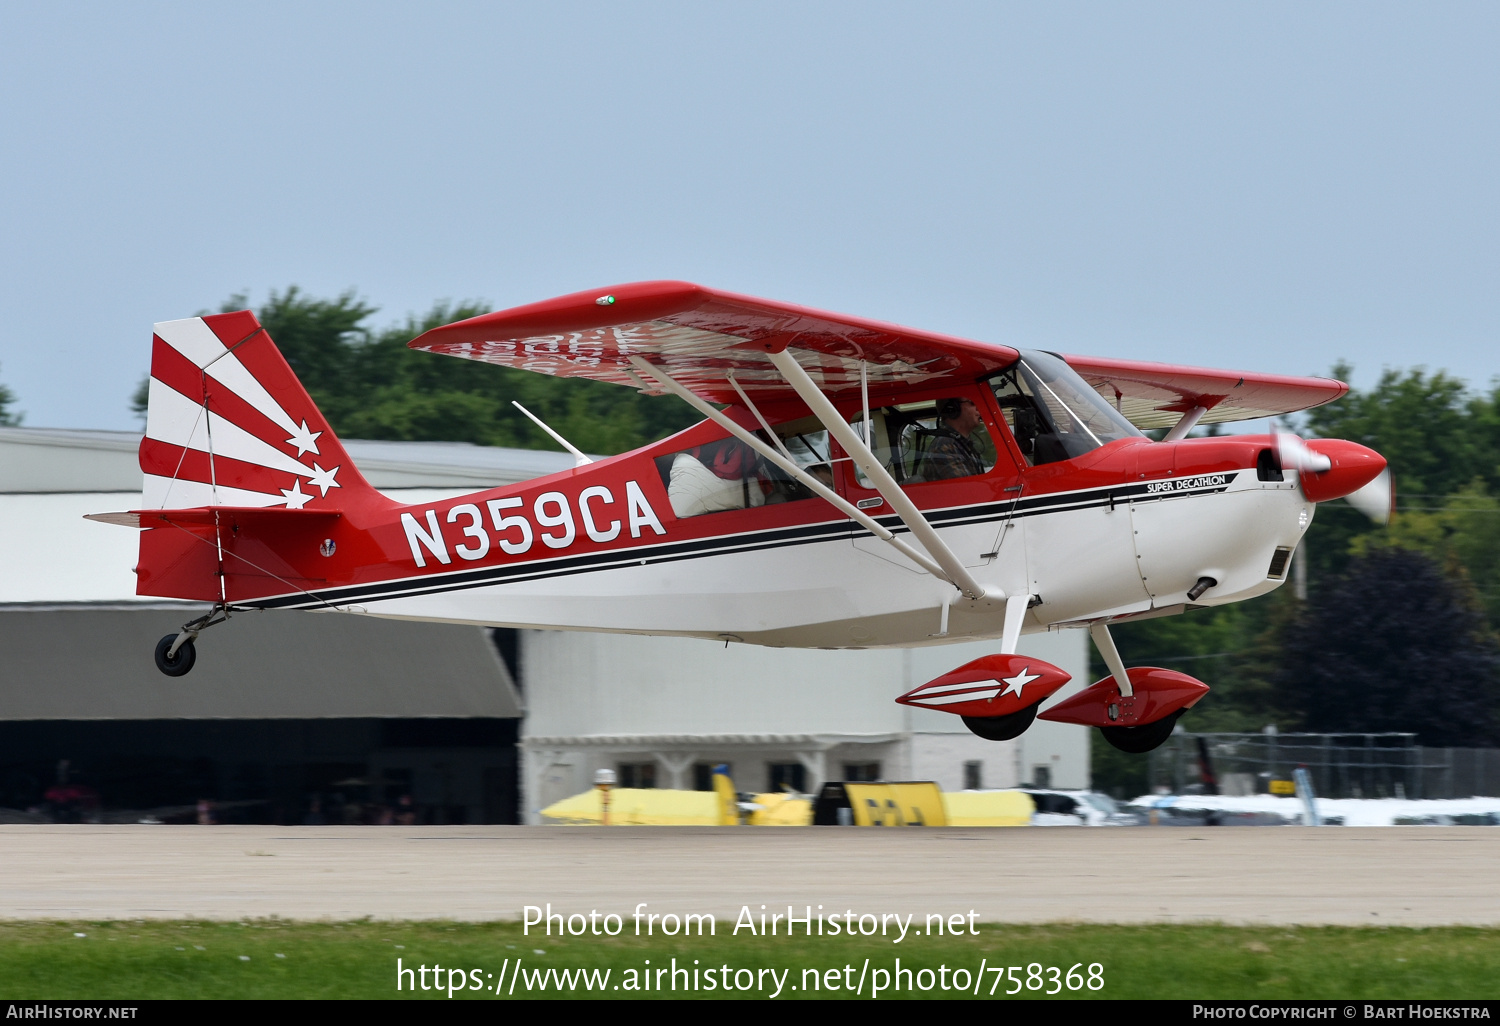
(7, 417)
(1424, 425)
(1462, 530)
(1394, 644)
(1436, 437)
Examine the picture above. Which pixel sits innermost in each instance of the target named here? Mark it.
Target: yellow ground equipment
(632, 806)
(988, 808)
(637, 806)
(913, 803)
(780, 810)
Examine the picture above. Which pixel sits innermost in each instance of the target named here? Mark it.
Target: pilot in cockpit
(951, 452)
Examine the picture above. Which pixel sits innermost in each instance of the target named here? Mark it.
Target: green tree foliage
(370, 385)
(140, 397)
(1424, 424)
(1460, 533)
(1438, 439)
(1394, 644)
(8, 418)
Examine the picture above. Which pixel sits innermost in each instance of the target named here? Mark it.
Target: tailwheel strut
(175, 653)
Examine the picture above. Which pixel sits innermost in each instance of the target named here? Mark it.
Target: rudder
(228, 423)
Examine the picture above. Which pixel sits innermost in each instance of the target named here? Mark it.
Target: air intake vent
(1268, 467)
(1279, 560)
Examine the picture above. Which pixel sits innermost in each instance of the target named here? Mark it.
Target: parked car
(1080, 808)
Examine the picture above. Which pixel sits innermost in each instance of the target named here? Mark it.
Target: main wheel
(1139, 740)
(1002, 728)
(178, 664)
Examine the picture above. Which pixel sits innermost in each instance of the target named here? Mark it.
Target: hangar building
(309, 717)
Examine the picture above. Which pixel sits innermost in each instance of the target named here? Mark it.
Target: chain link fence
(1341, 765)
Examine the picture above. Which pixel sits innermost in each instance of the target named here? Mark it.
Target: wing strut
(790, 466)
(1187, 423)
(953, 569)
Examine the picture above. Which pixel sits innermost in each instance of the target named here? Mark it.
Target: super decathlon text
(601, 516)
(1187, 483)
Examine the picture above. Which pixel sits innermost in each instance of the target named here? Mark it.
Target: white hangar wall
(597, 701)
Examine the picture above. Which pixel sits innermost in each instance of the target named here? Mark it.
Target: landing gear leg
(1099, 632)
(175, 653)
(1134, 740)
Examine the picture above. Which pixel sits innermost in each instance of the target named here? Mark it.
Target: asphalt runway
(1405, 876)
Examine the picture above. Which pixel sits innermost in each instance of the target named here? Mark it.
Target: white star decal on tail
(305, 440)
(295, 499)
(323, 479)
(1019, 681)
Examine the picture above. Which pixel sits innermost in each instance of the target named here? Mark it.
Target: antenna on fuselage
(579, 459)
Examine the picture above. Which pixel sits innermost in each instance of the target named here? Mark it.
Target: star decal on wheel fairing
(1019, 681)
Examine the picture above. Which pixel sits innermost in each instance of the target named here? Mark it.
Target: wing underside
(1156, 395)
(704, 338)
(711, 341)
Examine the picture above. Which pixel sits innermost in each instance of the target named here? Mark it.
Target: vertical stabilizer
(229, 424)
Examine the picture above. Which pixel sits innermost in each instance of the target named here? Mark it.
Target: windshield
(1053, 412)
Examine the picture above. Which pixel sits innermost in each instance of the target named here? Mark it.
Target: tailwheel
(1139, 740)
(1004, 728)
(178, 663)
(175, 653)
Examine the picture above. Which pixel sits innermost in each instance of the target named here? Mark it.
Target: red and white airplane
(853, 484)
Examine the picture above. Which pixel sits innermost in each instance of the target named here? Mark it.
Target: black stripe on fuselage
(750, 541)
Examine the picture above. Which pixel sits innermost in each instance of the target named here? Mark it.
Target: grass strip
(284, 959)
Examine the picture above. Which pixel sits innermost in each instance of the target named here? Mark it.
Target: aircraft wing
(1156, 395)
(702, 336)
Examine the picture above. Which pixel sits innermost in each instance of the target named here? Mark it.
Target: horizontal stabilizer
(208, 516)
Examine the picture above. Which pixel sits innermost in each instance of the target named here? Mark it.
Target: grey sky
(1262, 186)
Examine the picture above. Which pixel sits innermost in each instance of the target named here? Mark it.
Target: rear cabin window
(728, 474)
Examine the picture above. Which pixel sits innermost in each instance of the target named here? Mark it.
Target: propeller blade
(1376, 500)
(1295, 455)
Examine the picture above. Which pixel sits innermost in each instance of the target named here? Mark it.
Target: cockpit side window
(1052, 412)
(936, 440)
